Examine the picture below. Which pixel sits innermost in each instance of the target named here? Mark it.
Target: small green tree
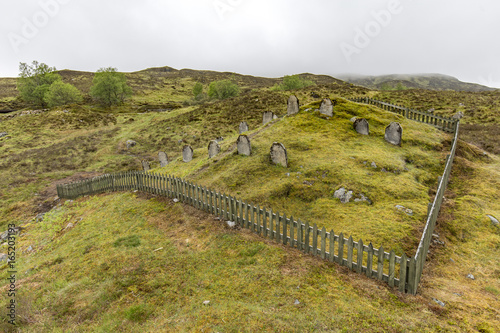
(197, 90)
(291, 82)
(223, 89)
(109, 87)
(60, 93)
(34, 81)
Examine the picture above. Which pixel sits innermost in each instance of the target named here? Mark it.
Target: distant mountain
(413, 81)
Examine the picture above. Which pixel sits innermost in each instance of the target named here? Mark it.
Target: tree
(291, 82)
(223, 89)
(109, 87)
(60, 93)
(34, 81)
(197, 90)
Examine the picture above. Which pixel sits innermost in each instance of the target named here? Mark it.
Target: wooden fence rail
(443, 123)
(398, 271)
(364, 259)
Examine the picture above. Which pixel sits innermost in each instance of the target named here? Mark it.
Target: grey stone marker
(187, 153)
(394, 134)
(213, 149)
(162, 156)
(326, 107)
(145, 165)
(267, 117)
(243, 144)
(243, 127)
(361, 126)
(292, 105)
(279, 155)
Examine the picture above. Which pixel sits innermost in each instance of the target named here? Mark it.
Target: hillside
(132, 262)
(413, 81)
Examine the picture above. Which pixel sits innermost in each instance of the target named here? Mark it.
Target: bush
(223, 89)
(291, 82)
(198, 90)
(34, 81)
(60, 93)
(109, 87)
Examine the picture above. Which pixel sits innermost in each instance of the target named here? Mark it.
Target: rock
(30, 248)
(176, 200)
(431, 110)
(243, 144)
(187, 153)
(404, 209)
(353, 119)
(470, 276)
(267, 117)
(362, 198)
(231, 224)
(438, 302)
(458, 115)
(145, 165)
(213, 149)
(394, 134)
(288, 174)
(343, 195)
(69, 226)
(305, 182)
(279, 155)
(131, 143)
(326, 107)
(39, 217)
(206, 302)
(296, 302)
(3, 257)
(243, 127)
(374, 165)
(163, 158)
(292, 105)
(494, 221)
(3, 134)
(361, 126)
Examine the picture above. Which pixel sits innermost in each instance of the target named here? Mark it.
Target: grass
(137, 263)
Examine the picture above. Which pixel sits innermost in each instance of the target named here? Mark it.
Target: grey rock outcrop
(343, 195)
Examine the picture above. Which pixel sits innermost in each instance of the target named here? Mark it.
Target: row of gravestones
(393, 132)
(278, 151)
(393, 135)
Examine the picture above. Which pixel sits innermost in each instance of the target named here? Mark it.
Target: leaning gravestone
(162, 156)
(394, 134)
(279, 155)
(243, 127)
(326, 107)
(361, 126)
(145, 165)
(243, 144)
(267, 117)
(187, 154)
(293, 105)
(213, 149)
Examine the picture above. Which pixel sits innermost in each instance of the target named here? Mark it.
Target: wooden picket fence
(364, 259)
(443, 123)
(398, 271)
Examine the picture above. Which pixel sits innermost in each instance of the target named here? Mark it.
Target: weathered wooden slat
(392, 267)
(323, 243)
(350, 250)
(300, 243)
(264, 222)
(315, 240)
(284, 223)
(332, 246)
(257, 230)
(369, 261)
(271, 224)
(278, 227)
(380, 263)
(402, 274)
(340, 257)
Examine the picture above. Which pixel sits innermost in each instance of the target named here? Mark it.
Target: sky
(268, 38)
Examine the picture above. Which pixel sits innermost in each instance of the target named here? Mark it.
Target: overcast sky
(268, 38)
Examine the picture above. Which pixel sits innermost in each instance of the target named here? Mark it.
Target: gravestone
(394, 134)
(162, 156)
(213, 149)
(267, 117)
(187, 154)
(243, 127)
(326, 107)
(293, 105)
(145, 165)
(243, 144)
(361, 126)
(279, 155)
